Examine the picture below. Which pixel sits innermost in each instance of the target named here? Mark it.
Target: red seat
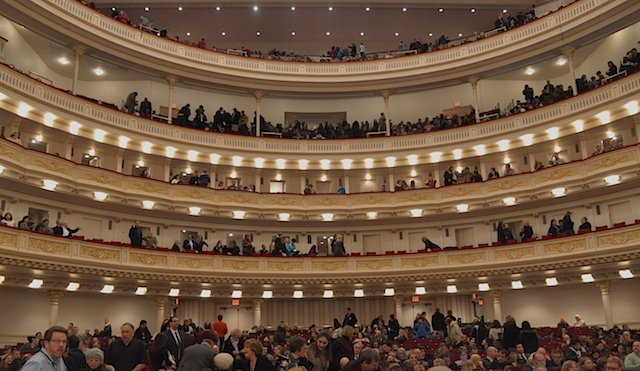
(602, 228)
(371, 253)
(618, 225)
(483, 245)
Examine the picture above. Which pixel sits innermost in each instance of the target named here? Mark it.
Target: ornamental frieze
(609, 161)
(329, 265)
(419, 262)
(100, 178)
(374, 264)
(99, 254)
(48, 246)
(194, 263)
(564, 247)
(148, 259)
(8, 239)
(6, 151)
(240, 265)
(369, 200)
(55, 166)
(467, 258)
(618, 238)
(284, 266)
(515, 254)
(147, 187)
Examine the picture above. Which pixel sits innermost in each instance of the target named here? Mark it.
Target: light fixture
(462, 208)
(558, 192)
(192, 155)
(205, 293)
(234, 174)
(551, 281)
(255, 8)
(517, 285)
(236, 294)
(473, 10)
(303, 164)
(293, 8)
(170, 151)
(98, 71)
(484, 287)
(140, 163)
(146, 147)
(327, 217)
(457, 154)
(49, 118)
(1, 169)
(553, 133)
(397, 34)
(413, 173)
(556, 149)
(36, 283)
(323, 178)
(562, 61)
(141, 290)
(92, 152)
(2, 96)
(415, 213)
(626, 273)
(122, 141)
(217, 8)
(258, 33)
(452, 289)
(267, 294)
(74, 127)
(346, 163)
(367, 9)
(480, 149)
(73, 286)
(509, 201)
(460, 34)
(404, 9)
(330, 8)
(530, 71)
(507, 160)
(100, 196)
(327, 294)
(148, 204)
(421, 291)
(361, 33)
(391, 161)
(430, 34)
(368, 163)
(297, 294)
(587, 278)
(99, 135)
(413, 159)
(579, 125)
(281, 163)
(328, 33)
(107, 289)
(49, 185)
(604, 116)
(632, 107)
(367, 176)
(223, 33)
(174, 292)
(179, 8)
(325, 164)
(194, 210)
(23, 109)
(610, 134)
(239, 214)
(284, 217)
(435, 157)
(146, 8)
(372, 215)
(389, 292)
(237, 160)
(440, 10)
(293, 33)
(2, 278)
(358, 293)
(214, 158)
(278, 177)
(503, 145)
(64, 60)
(527, 139)
(459, 169)
(612, 179)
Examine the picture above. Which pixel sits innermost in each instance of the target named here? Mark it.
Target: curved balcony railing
(32, 167)
(72, 255)
(67, 107)
(84, 23)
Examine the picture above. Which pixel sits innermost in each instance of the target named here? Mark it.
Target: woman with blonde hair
(586, 364)
(234, 343)
(476, 361)
(253, 354)
(569, 366)
(342, 348)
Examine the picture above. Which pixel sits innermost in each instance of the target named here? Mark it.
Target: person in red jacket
(221, 328)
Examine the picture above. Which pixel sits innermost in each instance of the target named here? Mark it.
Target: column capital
(496, 295)
(398, 300)
(160, 301)
(473, 80)
(385, 94)
(569, 53)
(604, 287)
(258, 303)
(55, 295)
(78, 51)
(172, 80)
(258, 94)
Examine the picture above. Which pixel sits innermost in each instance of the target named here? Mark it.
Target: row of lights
(298, 294)
(330, 8)
(327, 33)
(65, 61)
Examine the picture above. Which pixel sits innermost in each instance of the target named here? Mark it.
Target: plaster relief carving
(194, 263)
(329, 265)
(100, 178)
(610, 161)
(374, 264)
(239, 265)
(419, 262)
(8, 239)
(618, 238)
(99, 254)
(514, 254)
(564, 247)
(148, 187)
(467, 258)
(284, 266)
(148, 259)
(50, 165)
(49, 247)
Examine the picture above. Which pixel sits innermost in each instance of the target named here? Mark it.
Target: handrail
(24, 89)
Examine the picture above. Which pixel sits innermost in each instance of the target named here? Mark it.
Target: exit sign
(415, 299)
(235, 302)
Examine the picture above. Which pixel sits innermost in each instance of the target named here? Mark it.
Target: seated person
(584, 224)
(428, 245)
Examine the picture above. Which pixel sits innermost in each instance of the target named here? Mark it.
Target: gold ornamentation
(284, 266)
(148, 259)
(374, 264)
(507, 184)
(7, 151)
(370, 200)
(329, 265)
(564, 247)
(240, 265)
(417, 196)
(618, 238)
(8, 239)
(194, 262)
(148, 187)
(327, 201)
(467, 258)
(55, 166)
(461, 192)
(194, 194)
(100, 178)
(556, 174)
(419, 262)
(239, 198)
(283, 201)
(514, 254)
(100, 254)
(50, 247)
(610, 161)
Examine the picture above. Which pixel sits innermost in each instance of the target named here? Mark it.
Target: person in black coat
(255, 361)
(526, 232)
(349, 318)
(500, 233)
(528, 338)
(75, 360)
(480, 331)
(510, 334)
(142, 333)
(135, 234)
(158, 352)
(437, 321)
(567, 223)
(342, 348)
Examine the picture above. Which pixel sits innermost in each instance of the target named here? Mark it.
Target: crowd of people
(442, 344)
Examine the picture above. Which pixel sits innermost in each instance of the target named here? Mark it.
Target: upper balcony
(576, 24)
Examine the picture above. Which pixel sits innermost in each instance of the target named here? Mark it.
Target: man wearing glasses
(49, 358)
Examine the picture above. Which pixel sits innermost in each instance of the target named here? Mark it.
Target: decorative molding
(283, 201)
(147, 186)
(374, 264)
(415, 262)
(148, 259)
(195, 194)
(49, 164)
(415, 197)
(467, 258)
(241, 265)
(462, 192)
(100, 254)
(609, 161)
(565, 247)
(284, 266)
(100, 177)
(328, 265)
(507, 184)
(194, 262)
(48, 246)
(370, 200)
(238, 198)
(556, 174)
(327, 201)
(9, 239)
(7, 151)
(618, 239)
(514, 254)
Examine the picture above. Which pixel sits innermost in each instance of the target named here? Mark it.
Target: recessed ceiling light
(327, 294)
(626, 273)
(361, 33)
(223, 33)
(389, 292)
(98, 71)
(293, 33)
(460, 34)
(358, 293)
(107, 289)
(473, 10)
(179, 8)
(258, 33)
(421, 291)
(440, 10)
(328, 33)
(330, 8)
(404, 9)
(517, 285)
(530, 71)
(255, 8)
(397, 34)
(504, 10)
(267, 294)
(293, 8)
(141, 290)
(452, 289)
(552, 281)
(188, 33)
(587, 277)
(483, 287)
(217, 8)
(36, 284)
(367, 9)
(174, 292)
(64, 60)
(146, 8)
(297, 294)
(430, 34)
(562, 61)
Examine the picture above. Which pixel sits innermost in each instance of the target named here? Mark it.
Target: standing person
(567, 223)
(394, 327)
(511, 333)
(49, 358)
(342, 348)
(75, 359)
(319, 352)
(454, 333)
(255, 360)
(159, 354)
(221, 328)
(362, 51)
(131, 102)
(145, 108)
(135, 234)
(127, 353)
(338, 247)
(176, 340)
(199, 357)
(208, 334)
(437, 321)
(142, 333)
(349, 318)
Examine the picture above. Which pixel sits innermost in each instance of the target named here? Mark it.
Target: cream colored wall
(613, 48)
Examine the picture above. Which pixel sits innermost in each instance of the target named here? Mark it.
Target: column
(391, 186)
(497, 307)
(68, 146)
(532, 158)
(213, 171)
(398, 302)
(257, 312)
(385, 95)
(119, 159)
(167, 170)
(636, 121)
(606, 301)
(172, 83)
(473, 80)
(345, 182)
(483, 167)
(258, 95)
(77, 53)
(436, 175)
(583, 145)
(257, 182)
(160, 305)
(303, 180)
(54, 306)
(572, 73)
